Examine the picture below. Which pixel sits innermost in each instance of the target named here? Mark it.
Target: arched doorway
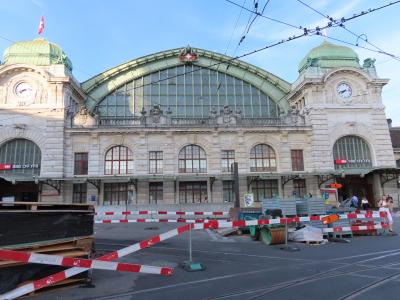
(19, 165)
(352, 155)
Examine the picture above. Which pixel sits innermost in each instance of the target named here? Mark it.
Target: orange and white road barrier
(57, 260)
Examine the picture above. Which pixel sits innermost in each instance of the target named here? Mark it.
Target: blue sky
(99, 34)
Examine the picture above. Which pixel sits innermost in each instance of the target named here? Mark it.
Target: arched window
(20, 156)
(192, 159)
(190, 92)
(119, 160)
(351, 152)
(262, 159)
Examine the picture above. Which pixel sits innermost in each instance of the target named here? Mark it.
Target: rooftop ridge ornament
(187, 55)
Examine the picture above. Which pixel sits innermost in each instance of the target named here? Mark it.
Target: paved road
(238, 268)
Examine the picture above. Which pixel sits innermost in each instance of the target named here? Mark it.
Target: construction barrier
(162, 212)
(37, 258)
(214, 224)
(60, 276)
(209, 224)
(242, 223)
(152, 221)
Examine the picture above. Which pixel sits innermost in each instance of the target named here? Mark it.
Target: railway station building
(166, 128)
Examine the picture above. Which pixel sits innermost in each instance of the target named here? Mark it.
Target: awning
(366, 171)
(14, 178)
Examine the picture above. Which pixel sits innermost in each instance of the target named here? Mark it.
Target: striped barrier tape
(356, 228)
(152, 221)
(213, 224)
(162, 212)
(243, 223)
(60, 276)
(58, 260)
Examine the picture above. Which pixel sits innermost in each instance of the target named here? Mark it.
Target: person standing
(364, 203)
(354, 201)
(384, 205)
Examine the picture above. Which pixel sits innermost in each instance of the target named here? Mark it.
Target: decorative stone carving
(293, 117)
(82, 117)
(226, 116)
(187, 55)
(213, 112)
(156, 115)
(369, 66)
(369, 63)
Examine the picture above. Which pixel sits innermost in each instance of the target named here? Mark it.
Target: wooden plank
(46, 243)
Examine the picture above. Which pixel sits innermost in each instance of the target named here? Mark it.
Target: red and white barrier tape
(214, 224)
(259, 222)
(162, 212)
(60, 276)
(152, 221)
(356, 228)
(58, 260)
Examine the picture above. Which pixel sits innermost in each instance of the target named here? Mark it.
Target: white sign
(8, 199)
(248, 200)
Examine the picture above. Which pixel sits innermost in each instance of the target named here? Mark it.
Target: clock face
(344, 90)
(24, 90)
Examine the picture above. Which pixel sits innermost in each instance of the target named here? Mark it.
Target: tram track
(308, 279)
(330, 273)
(358, 292)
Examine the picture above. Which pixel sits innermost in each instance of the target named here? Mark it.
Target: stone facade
(58, 118)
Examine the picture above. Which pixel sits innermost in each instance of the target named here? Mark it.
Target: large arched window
(194, 93)
(351, 152)
(119, 160)
(20, 156)
(262, 158)
(192, 159)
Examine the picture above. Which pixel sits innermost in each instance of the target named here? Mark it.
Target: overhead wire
(265, 17)
(306, 32)
(234, 28)
(354, 44)
(358, 36)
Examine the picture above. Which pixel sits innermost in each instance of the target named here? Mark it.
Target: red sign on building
(340, 161)
(5, 166)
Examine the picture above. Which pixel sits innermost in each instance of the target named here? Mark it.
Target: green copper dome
(328, 55)
(37, 52)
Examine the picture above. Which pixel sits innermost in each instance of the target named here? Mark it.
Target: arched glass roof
(194, 93)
